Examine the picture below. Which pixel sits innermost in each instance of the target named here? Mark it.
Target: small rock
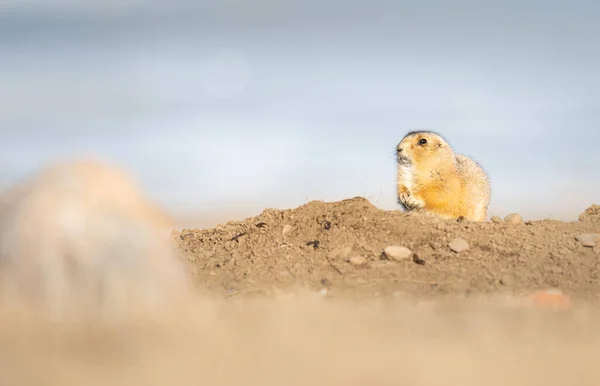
(458, 245)
(513, 218)
(505, 280)
(588, 239)
(395, 252)
(497, 220)
(357, 260)
(286, 229)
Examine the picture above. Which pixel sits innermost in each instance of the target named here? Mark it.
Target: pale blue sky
(253, 104)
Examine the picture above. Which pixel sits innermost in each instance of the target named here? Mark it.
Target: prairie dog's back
(82, 233)
(476, 184)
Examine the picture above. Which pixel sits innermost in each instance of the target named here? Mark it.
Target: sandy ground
(304, 296)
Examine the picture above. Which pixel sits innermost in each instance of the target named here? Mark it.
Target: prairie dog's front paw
(409, 202)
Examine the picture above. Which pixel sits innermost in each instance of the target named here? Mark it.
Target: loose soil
(336, 247)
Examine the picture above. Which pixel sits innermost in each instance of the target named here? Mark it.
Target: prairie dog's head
(424, 149)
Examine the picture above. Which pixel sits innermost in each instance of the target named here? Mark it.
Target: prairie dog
(80, 234)
(431, 178)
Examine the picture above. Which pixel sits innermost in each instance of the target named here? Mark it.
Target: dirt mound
(338, 247)
(591, 215)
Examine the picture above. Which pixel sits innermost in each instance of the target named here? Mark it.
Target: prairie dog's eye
(422, 141)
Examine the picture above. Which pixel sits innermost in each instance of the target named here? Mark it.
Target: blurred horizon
(229, 107)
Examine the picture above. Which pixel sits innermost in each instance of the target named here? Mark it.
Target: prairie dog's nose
(399, 150)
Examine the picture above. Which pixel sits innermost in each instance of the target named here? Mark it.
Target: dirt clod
(513, 218)
(591, 215)
(497, 220)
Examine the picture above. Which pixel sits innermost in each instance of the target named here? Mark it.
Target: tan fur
(81, 234)
(431, 178)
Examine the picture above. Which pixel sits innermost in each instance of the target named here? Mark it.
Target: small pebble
(286, 229)
(513, 218)
(395, 252)
(588, 239)
(497, 220)
(458, 245)
(357, 260)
